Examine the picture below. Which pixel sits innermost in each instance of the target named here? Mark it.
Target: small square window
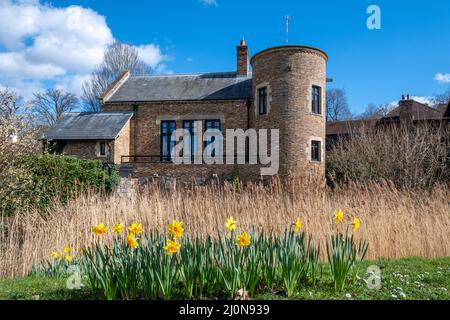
(316, 151)
(262, 101)
(316, 100)
(103, 148)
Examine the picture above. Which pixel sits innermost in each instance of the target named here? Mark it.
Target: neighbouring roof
(441, 107)
(447, 112)
(349, 126)
(419, 111)
(202, 86)
(88, 126)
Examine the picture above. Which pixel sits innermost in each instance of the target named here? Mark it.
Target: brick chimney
(405, 106)
(242, 59)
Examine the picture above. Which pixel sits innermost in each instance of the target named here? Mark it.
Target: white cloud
(441, 77)
(422, 99)
(209, 2)
(151, 54)
(40, 43)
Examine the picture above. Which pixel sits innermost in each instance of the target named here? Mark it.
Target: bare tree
(10, 105)
(374, 111)
(410, 156)
(443, 98)
(337, 105)
(17, 138)
(118, 58)
(52, 104)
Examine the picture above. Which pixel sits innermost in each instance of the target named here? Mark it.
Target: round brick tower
(292, 79)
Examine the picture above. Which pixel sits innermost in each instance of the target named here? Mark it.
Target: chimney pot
(407, 97)
(242, 59)
(403, 97)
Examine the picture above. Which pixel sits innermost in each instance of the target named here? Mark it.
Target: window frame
(167, 135)
(104, 153)
(316, 109)
(316, 149)
(262, 100)
(193, 132)
(206, 143)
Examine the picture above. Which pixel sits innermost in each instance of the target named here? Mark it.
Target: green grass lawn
(410, 278)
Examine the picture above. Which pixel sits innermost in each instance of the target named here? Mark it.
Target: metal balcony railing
(168, 159)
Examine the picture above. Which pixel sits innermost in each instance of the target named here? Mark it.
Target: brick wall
(121, 146)
(86, 150)
(145, 127)
(289, 72)
(194, 173)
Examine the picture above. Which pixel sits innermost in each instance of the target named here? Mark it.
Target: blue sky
(182, 36)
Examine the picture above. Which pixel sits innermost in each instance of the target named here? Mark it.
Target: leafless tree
(337, 105)
(52, 104)
(17, 138)
(118, 58)
(443, 98)
(374, 111)
(410, 156)
(10, 105)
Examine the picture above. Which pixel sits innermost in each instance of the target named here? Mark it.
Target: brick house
(285, 90)
(408, 111)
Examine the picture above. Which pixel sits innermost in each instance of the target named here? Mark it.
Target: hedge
(58, 178)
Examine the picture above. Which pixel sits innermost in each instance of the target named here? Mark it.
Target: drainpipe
(135, 110)
(249, 104)
(247, 144)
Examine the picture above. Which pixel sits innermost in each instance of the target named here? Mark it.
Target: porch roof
(88, 126)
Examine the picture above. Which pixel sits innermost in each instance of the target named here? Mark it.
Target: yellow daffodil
(243, 240)
(68, 259)
(338, 216)
(66, 250)
(176, 229)
(297, 225)
(99, 229)
(172, 247)
(118, 228)
(230, 224)
(131, 241)
(61, 254)
(356, 224)
(54, 255)
(136, 228)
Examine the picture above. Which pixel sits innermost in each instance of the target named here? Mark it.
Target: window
(262, 101)
(191, 127)
(167, 141)
(102, 148)
(316, 100)
(212, 124)
(316, 151)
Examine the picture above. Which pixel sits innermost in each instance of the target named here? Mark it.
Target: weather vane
(288, 18)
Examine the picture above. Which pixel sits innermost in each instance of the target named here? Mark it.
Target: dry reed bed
(395, 223)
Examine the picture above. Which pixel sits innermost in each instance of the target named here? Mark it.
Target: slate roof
(88, 126)
(188, 87)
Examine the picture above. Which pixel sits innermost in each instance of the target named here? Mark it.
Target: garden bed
(408, 278)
